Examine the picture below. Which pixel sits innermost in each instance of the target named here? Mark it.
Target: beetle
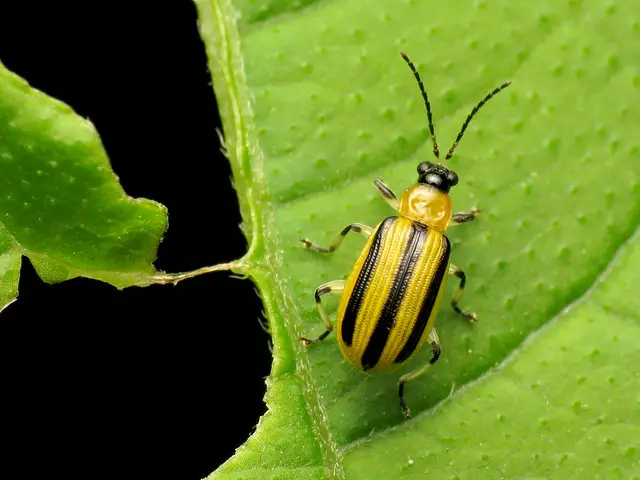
(389, 301)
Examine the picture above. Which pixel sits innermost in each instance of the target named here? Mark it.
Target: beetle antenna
(436, 152)
(473, 112)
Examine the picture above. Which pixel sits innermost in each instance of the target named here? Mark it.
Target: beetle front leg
(463, 217)
(354, 227)
(454, 270)
(335, 286)
(435, 349)
(386, 193)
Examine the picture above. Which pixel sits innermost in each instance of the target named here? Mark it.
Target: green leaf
(60, 203)
(326, 106)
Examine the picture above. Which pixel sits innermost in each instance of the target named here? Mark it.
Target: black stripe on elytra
(361, 285)
(427, 305)
(387, 318)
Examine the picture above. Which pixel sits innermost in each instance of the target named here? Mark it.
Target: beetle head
(437, 175)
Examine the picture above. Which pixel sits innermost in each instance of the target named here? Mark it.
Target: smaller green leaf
(61, 205)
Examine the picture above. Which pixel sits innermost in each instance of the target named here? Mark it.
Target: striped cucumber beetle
(389, 301)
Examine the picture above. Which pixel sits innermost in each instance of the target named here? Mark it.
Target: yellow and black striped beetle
(390, 299)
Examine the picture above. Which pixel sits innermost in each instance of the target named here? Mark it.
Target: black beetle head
(437, 176)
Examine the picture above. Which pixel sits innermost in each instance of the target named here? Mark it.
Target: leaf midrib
(266, 267)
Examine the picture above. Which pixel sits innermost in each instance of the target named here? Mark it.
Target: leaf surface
(553, 164)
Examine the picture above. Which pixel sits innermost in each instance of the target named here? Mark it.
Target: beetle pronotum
(390, 299)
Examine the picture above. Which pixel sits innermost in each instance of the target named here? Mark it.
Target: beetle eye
(453, 178)
(423, 167)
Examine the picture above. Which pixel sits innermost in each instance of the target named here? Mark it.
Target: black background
(160, 382)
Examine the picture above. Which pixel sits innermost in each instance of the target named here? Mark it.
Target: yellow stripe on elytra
(348, 291)
(441, 249)
(391, 247)
(423, 274)
(391, 251)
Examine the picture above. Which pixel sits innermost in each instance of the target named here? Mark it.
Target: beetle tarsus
(472, 317)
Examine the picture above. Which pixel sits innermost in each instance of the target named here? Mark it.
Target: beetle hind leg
(354, 227)
(435, 349)
(457, 271)
(335, 286)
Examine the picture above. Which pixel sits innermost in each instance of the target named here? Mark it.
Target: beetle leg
(386, 193)
(330, 287)
(354, 227)
(454, 270)
(463, 217)
(435, 348)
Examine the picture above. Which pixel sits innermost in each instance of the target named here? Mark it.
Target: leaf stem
(236, 266)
